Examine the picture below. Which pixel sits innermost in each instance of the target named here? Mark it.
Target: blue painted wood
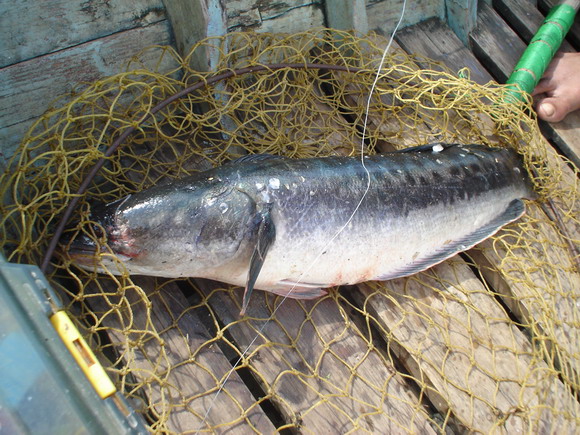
(347, 15)
(383, 15)
(30, 33)
(27, 88)
(30, 29)
(461, 17)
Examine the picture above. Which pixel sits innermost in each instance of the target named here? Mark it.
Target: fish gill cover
(486, 341)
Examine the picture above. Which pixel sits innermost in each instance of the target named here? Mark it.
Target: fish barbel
(261, 221)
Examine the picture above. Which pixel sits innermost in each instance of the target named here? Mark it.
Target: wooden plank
(27, 88)
(347, 15)
(273, 16)
(192, 21)
(537, 294)
(189, 20)
(468, 400)
(460, 341)
(433, 39)
(181, 367)
(515, 290)
(526, 20)
(383, 15)
(29, 30)
(314, 364)
(565, 135)
(495, 44)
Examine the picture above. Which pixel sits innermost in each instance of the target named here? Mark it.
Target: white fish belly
(365, 250)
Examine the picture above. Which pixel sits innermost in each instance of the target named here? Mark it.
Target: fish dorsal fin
(256, 158)
(514, 211)
(265, 238)
(436, 147)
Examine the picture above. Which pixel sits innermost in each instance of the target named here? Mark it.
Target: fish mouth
(81, 249)
(86, 253)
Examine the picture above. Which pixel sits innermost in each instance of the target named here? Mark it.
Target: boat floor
(431, 355)
(451, 349)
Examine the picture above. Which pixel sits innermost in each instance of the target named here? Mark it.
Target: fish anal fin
(298, 290)
(265, 238)
(514, 211)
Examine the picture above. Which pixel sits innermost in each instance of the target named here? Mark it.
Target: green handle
(543, 46)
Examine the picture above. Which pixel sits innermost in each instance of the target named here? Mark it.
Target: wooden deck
(427, 356)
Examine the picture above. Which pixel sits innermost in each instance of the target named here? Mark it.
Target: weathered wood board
(383, 15)
(441, 319)
(512, 285)
(532, 294)
(273, 16)
(472, 363)
(347, 15)
(176, 363)
(434, 38)
(27, 88)
(193, 21)
(32, 29)
(317, 367)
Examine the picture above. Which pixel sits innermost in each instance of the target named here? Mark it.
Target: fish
(295, 227)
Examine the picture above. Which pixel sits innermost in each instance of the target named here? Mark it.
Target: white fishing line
(340, 230)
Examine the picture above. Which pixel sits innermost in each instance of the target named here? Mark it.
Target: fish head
(174, 231)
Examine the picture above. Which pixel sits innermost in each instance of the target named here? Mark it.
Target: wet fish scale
(266, 222)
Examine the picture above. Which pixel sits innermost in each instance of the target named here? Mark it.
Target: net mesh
(487, 341)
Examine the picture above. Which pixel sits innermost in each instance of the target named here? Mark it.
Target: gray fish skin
(280, 215)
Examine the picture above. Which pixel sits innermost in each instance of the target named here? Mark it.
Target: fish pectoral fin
(514, 211)
(299, 290)
(265, 238)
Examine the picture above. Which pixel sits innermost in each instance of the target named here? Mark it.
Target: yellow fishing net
(487, 341)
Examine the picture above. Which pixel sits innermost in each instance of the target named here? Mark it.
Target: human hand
(558, 92)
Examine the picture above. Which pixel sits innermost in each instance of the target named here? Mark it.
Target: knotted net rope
(486, 341)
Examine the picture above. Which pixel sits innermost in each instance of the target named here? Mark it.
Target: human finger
(552, 109)
(545, 85)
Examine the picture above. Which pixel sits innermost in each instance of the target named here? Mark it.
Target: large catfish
(287, 225)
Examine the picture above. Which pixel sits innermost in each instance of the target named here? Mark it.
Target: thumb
(551, 110)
